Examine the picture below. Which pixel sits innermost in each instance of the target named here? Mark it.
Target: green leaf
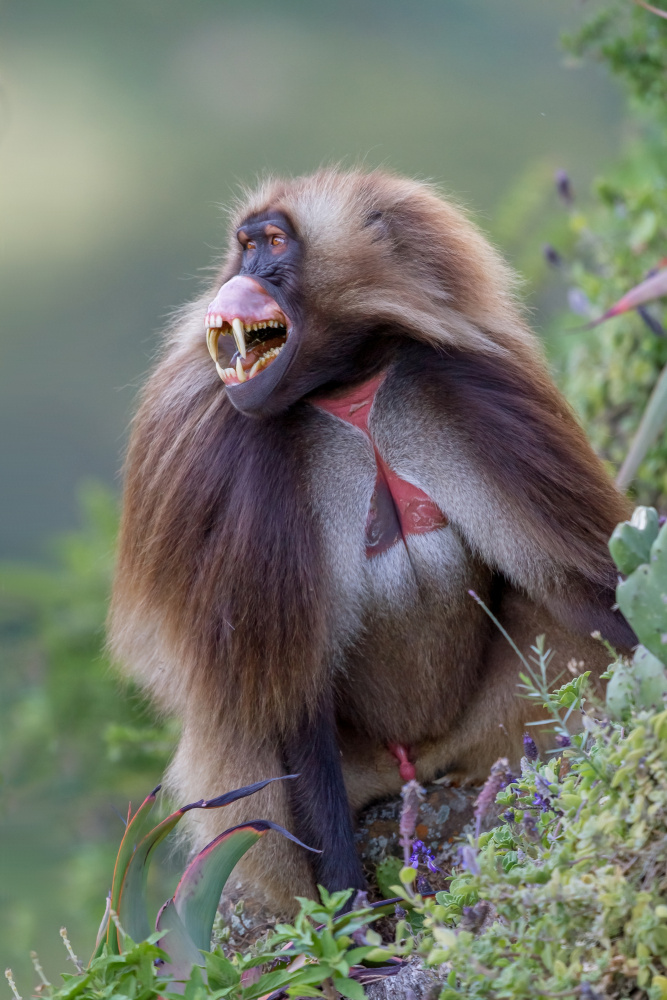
(220, 972)
(198, 893)
(571, 692)
(132, 905)
(387, 874)
(130, 893)
(631, 541)
(309, 975)
(195, 988)
(349, 988)
(329, 946)
(652, 677)
(177, 943)
(652, 423)
(642, 598)
(356, 955)
(621, 692)
(136, 828)
(76, 985)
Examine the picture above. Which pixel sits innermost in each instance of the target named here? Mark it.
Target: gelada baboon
(299, 539)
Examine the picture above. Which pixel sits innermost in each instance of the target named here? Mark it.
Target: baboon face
(326, 276)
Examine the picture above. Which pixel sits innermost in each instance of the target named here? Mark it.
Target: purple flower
(413, 795)
(530, 750)
(543, 786)
(420, 852)
(579, 302)
(587, 992)
(562, 740)
(551, 255)
(468, 859)
(542, 803)
(564, 187)
(417, 846)
(499, 778)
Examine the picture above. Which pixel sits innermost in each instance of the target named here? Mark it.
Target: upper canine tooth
(212, 337)
(239, 337)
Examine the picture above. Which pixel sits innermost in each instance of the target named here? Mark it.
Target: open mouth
(258, 345)
(245, 310)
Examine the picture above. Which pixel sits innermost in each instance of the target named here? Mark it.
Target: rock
(413, 982)
(445, 813)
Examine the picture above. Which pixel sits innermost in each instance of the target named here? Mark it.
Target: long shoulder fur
(543, 478)
(203, 611)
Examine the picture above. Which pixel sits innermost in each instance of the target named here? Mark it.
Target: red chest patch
(397, 508)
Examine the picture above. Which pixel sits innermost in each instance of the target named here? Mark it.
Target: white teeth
(255, 368)
(240, 374)
(218, 320)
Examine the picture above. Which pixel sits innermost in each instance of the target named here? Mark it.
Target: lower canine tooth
(239, 337)
(241, 375)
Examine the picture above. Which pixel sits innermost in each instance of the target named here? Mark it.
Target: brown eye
(250, 245)
(278, 241)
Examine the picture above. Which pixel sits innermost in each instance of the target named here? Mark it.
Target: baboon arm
(319, 801)
(524, 487)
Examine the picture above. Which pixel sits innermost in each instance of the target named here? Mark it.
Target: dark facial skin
(272, 256)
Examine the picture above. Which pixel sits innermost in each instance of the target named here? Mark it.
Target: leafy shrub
(568, 895)
(610, 372)
(74, 744)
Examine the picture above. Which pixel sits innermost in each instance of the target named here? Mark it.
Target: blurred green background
(123, 128)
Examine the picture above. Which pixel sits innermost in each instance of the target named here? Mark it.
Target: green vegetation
(72, 705)
(316, 956)
(74, 746)
(567, 896)
(615, 243)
